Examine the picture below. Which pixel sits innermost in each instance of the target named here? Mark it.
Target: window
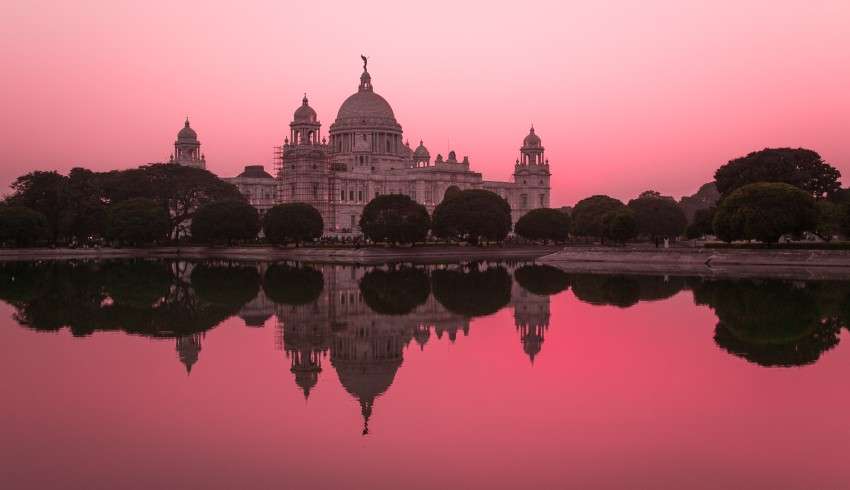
(542, 200)
(350, 195)
(353, 221)
(315, 191)
(523, 200)
(360, 196)
(342, 195)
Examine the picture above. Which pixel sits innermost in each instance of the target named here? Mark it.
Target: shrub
(544, 224)
(765, 212)
(587, 215)
(473, 215)
(293, 222)
(395, 218)
(225, 221)
(658, 217)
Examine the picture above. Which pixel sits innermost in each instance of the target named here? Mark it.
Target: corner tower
(531, 176)
(187, 148)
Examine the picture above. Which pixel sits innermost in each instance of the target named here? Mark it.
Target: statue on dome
(365, 61)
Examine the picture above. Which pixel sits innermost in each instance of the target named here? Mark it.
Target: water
(218, 375)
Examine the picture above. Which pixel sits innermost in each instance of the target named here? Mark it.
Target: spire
(186, 125)
(304, 100)
(366, 410)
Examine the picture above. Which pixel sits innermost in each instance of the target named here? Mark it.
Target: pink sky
(626, 96)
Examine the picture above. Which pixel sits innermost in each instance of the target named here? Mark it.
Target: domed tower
(188, 348)
(304, 168)
(187, 148)
(365, 135)
(421, 156)
(531, 176)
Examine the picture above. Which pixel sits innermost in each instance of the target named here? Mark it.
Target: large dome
(365, 108)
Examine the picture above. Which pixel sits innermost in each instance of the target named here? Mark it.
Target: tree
(658, 217)
(831, 216)
(180, 189)
(702, 224)
(22, 226)
(472, 292)
(473, 215)
(293, 222)
(765, 212)
(619, 225)
(85, 216)
(395, 291)
(544, 224)
(225, 221)
(45, 192)
(293, 285)
(395, 218)
(799, 167)
(587, 215)
(136, 221)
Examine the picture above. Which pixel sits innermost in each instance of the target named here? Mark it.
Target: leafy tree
(225, 221)
(85, 216)
(395, 291)
(799, 167)
(293, 222)
(136, 221)
(544, 224)
(702, 224)
(22, 226)
(395, 218)
(452, 191)
(764, 212)
(45, 192)
(473, 215)
(619, 225)
(542, 280)
(658, 217)
(472, 292)
(293, 285)
(830, 218)
(587, 215)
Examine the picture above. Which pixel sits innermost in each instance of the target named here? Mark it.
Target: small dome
(421, 153)
(255, 172)
(305, 113)
(532, 139)
(187, 133)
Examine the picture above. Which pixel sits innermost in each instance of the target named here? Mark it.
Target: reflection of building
(257, 311)
(365, 156)
(188, 348)
(187, 148)
(257, 185)
(366, 348)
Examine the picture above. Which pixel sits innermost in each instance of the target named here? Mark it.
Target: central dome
(365, 108)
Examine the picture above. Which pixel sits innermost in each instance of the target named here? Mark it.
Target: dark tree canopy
(542, 280)
(799, 167)
(544, 224)
(225, 221)
(658, 217)
(587, 215)
(47, 193)
(395, 291)
(452, 191)
(293, 222)
(229, 286)
(702, 224)
(604, 289)
(472, 292)
(395, 218)
(21, 227)
(293, 285)
(765, 212)
(619, 225)
(137, 221)
(771, 323)
(473, 215)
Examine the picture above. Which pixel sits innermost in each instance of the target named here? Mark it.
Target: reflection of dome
(366, 380)
(366, 106)
(532, 139)
(305, 113)
(187, 133)
(421, 153)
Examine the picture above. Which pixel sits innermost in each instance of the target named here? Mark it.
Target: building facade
(258, 187)
(364, 155)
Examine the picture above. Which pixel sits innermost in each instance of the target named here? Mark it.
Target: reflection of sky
(637, 397)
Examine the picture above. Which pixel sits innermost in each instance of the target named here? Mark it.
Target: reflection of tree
(598, 289)
(395, 291)
(771, 323)
(542, 280)
(471, 291)
(226, 285)
(293, 285)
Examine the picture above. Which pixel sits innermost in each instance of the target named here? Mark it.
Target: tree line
(764, 196)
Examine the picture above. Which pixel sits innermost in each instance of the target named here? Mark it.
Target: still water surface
(140, 374)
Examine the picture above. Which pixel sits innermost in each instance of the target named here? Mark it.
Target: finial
(187, 121)
(365, 61)
(304, 100)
